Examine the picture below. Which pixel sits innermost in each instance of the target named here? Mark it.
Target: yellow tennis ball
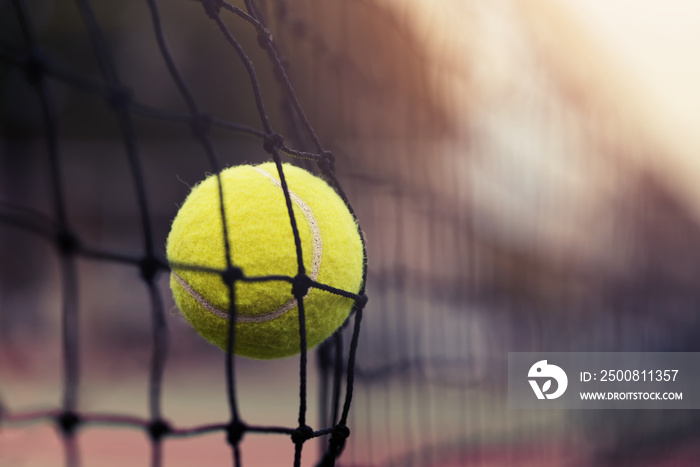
(262, 244)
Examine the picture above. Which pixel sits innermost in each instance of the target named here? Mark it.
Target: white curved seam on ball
(199, 298)
(315, 265)
(207, 305)
(317, 242)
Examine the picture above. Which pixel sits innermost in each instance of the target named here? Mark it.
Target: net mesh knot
(212, 7)
(149, 267)
(67, 242)
(68, 422)
(301, 285)
(231, 275)
(301, 434)
(338, 436)
(273, 142)
(264, 38)
(361, 301)
(328, 161)
(234, 432)
(157, 429)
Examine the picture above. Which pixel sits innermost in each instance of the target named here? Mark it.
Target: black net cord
(337, 375)
(236, 428)
(265, 41)
(200, 124)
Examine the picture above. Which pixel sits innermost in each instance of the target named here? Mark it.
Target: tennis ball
(262, 244)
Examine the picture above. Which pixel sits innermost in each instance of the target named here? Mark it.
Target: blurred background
(525, 174)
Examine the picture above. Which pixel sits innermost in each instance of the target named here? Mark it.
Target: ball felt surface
(262, 244)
